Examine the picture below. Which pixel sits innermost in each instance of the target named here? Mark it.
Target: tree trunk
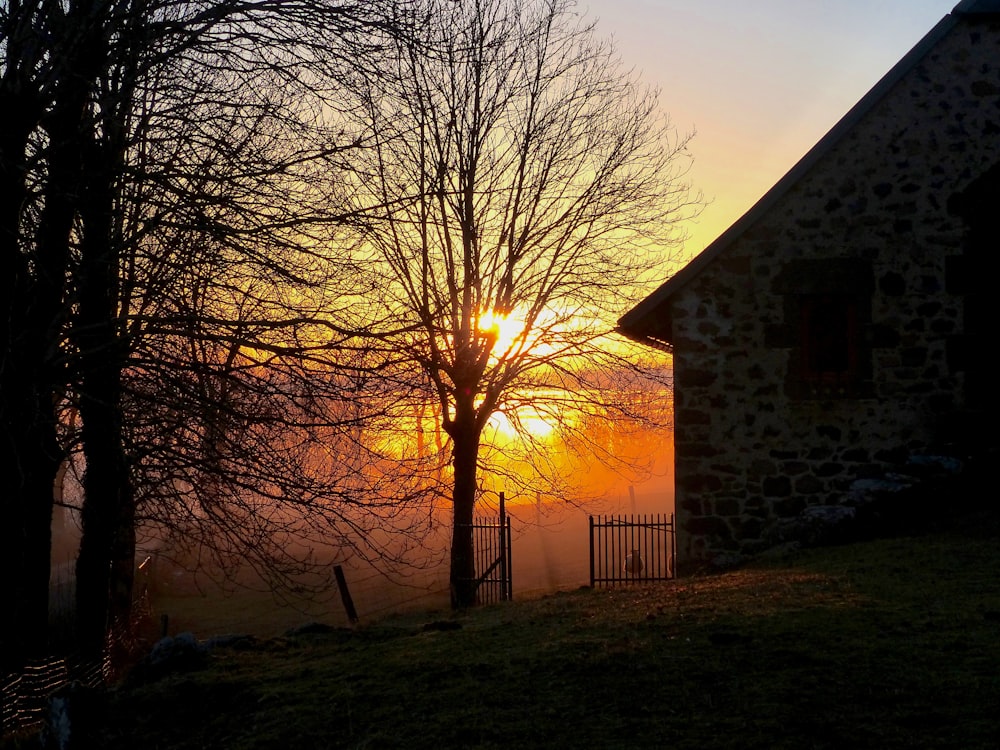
(32, 378)
(29, 465)
(18, 390)
(29, 460)
(105, 566)
(465, 438)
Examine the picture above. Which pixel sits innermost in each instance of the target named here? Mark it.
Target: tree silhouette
(165, 183)
(525, 175)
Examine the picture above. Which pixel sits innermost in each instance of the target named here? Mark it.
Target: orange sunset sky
(760, 82)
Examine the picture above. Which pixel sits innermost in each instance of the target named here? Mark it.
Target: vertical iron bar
(644, 547)
(510, 564)
(647, 548)
(620, 536)
(630, 532)
(609, 546)
(475, 555)
(590, 522)
(504, 595)
(490, 540)
(665, 542)
(602, 548)
(484, 551)
(609, 549)
(673, 547)
(655, 548)
(605, 541)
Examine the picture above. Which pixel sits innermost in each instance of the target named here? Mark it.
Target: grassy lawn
(887, 644)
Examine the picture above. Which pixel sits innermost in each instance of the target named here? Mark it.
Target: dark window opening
(829, 342)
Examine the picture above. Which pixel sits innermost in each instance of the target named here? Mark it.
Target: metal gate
(632, 549)
(491, 545)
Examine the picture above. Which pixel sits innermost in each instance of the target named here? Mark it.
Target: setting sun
(526, 419)
(517, 333)
(507, 328)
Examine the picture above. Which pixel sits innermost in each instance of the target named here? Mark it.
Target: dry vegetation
(888, 644)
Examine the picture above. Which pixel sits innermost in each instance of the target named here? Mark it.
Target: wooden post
(345, 595)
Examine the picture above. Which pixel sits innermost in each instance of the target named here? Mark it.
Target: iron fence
(632, 549)
(492, 551)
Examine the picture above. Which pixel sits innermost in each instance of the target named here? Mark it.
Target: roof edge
(633, 320)
(977, 7)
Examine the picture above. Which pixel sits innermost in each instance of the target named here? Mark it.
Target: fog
(550, 552)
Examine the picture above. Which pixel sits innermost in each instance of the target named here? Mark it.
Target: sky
(758, 82)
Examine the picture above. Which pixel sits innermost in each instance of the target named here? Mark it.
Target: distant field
(550, 553)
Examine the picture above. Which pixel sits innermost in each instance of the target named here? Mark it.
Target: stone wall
(874, 218)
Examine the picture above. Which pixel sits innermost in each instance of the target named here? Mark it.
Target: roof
(648, 322)
(977, 7)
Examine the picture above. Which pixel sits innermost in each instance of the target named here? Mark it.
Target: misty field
(886, 644)
(550, 545)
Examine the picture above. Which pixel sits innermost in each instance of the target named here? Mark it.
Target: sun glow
(527, 419)
(518, 335)
(508, 329)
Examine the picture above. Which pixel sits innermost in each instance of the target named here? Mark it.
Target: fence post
(591, 523)
(673, 546)
(504, 572)
(345, 595)
(510, 563)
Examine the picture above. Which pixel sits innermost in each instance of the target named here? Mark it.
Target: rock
(181, 653)
(815, 525)
(181, 649)
(238, 641)
(309, 627)
(727, 560)
(827, 515)
(865, 491)
(780, 551)
(937, 464)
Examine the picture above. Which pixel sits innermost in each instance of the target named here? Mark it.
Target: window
(826, 327)
(828, 343)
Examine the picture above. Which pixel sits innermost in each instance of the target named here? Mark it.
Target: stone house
(838, 336)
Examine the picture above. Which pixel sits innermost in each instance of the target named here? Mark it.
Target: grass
(886, 644)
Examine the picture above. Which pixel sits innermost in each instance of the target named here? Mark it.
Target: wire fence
(25, 695)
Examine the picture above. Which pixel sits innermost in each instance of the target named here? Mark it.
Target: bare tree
(525, 176)
(211, 137)
(152, 143)
(46, 53)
